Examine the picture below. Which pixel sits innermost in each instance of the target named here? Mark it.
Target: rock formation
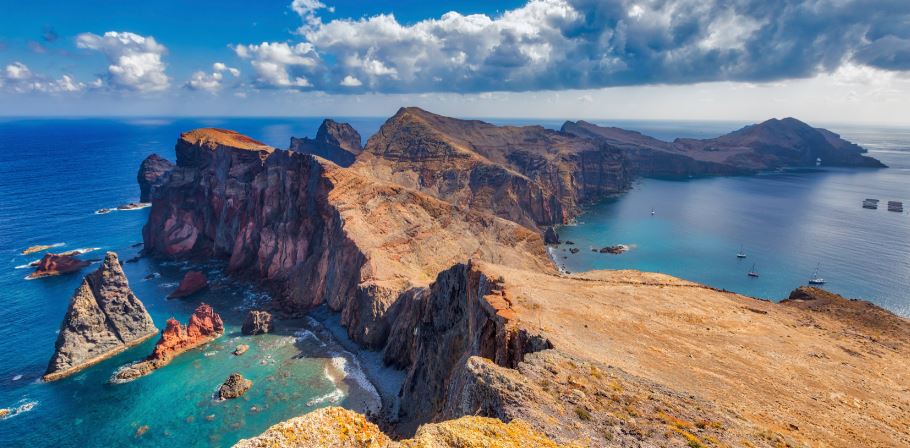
(104, 318)
(530, 175)
(152, 173)
(550, 236)
(338, 142)
(57, 264)
(235, 386)
(38, 248)
(192, 282)
(241, 349)
(257, 322)
(338, 427)
(769, 145)
(204, 326)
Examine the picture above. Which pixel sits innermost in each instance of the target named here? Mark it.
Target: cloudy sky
(821, 60)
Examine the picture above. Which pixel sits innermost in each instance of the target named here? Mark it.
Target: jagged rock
(765, 146)
(204, 326)
(615, 250)
(550, 236)
(57, 264)
(257, 322)
(338, 142)
(104, 318)
(192, 282)
(152, 172)
(241, 349)
(41, 247)
(235, 386)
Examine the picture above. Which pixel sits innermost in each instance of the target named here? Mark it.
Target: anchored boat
(753, 272)
(816, 280)
(895, 206)
(871, 204)
(741, 253)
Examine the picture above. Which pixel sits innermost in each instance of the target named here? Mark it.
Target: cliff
(529, 175)
(103, 319)
(769, 145)
(204, 326)
(151, 174)
(318, 233)
(338, 142)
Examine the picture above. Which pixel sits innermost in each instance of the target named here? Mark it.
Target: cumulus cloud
(582, 44)
(135, 62)
(350, 81)
(16, 77)
(211, 82)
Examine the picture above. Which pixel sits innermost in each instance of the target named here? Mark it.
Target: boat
(741, 253)
(652, 212)
(753, 272)
(896, 206)
(871, 204)
(816, 280)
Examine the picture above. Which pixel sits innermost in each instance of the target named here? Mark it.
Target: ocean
(54, 175)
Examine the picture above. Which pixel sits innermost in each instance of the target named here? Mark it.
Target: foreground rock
(338, 142)
(57, 264)
(151, 173)
(241, 349)
(205, 325)
(257, 322)
(192, 282)
(337, 427)
(104, 318)
(768, 145)
(235, 386)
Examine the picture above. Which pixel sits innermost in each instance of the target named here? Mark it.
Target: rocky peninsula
(104, 318)
(430, 247)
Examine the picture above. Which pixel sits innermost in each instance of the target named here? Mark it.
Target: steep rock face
(104, 318)
(57, 264)
(768, 145)
(151, 174)
(317, 233)
(257, 322)
(192, 282)
(338, 142)
(529, 175)
(204, 326)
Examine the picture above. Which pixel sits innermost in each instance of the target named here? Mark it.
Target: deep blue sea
(54, 174)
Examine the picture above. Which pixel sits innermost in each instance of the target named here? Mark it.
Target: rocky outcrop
(550, 236)
(192, 282)
(204, 326)
(104, 318)
(529, 175)
(316, 233)
(241, 349)
(768, 145)
(257, 322)
(152, 173)
(335, 427)
(57, 264)
(338, 142)
(233, 387)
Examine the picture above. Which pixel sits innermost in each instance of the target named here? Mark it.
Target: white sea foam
(350, 367)
(332, 397)
(22, 406)
(301, 335)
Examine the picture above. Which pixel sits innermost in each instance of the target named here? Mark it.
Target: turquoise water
(53, 176)
(55, 173)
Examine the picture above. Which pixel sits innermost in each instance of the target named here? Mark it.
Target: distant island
(429, 241)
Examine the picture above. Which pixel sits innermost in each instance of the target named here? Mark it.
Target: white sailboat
(816, 280)
(741, 253)
(753, 272)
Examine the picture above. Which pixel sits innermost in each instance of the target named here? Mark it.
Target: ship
(871, 204)
(896, 206)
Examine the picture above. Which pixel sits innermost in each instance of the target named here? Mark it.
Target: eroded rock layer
(104, 318)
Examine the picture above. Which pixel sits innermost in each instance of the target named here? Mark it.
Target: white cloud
(135, 62)
(18, 78)
(278, 64)
(211, 82)
(350, 81)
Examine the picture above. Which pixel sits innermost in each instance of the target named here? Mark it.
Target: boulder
(104, 318)
(241, 349)
(193, 282)
(257, 322)
(57, 264)
(235, 386)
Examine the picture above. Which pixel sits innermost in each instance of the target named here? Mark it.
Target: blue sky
(827, 60)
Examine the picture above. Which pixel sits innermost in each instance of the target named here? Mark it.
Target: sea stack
(151, 174)
(205, 325)
(257, 322)
(235, 386)
(193, 282)
(104, 318)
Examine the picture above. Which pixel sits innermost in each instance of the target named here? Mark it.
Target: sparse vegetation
(583, 414)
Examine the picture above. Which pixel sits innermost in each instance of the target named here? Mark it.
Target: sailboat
(741, 253)
(816, 280)
(652, 212)
(753, 272)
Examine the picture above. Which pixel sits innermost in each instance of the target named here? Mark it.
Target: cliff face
(529, 175)
(338, 142)
(318, 233)
(103, 319)
(151, 174)
(768, 145)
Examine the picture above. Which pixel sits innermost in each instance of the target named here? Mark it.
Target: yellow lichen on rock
(479, 432)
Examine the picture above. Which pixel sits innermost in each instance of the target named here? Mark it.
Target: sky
(833, 61)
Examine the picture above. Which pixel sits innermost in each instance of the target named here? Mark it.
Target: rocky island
(57, 264)
(104, 318)
(430, 246)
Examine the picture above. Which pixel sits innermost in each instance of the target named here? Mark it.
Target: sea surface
(54, 175)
